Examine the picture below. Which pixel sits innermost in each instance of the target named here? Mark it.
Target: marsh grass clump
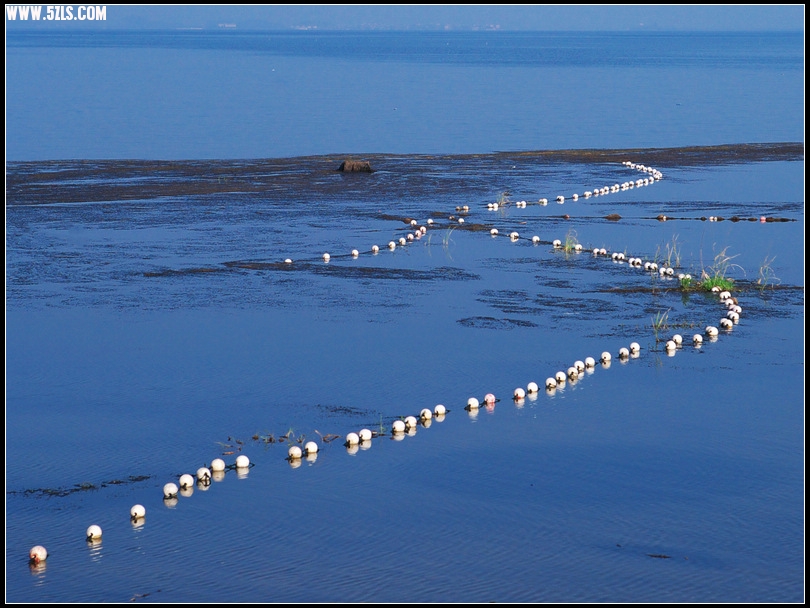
(767, 277)
(571, 242)
(673, 253)
(716, 274)
(660, 323)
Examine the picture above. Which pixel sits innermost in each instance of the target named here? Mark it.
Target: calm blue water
(188, 95)
(152, 323)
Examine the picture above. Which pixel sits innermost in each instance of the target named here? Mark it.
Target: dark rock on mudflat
(362, 166)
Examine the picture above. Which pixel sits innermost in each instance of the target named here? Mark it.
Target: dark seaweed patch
(80, 181)
(493, 323)
(79, 487)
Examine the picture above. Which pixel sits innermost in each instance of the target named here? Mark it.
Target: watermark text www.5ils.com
(36, 12)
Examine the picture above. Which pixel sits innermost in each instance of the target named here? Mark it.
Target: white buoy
(352, 439)
(605, 357)
(186, 481)
(711, 330)
(514, 236)
(242, 461)
(572, 373)
(93, 532)
(392, 245)
(560, 377)
(520, 393)
(288, 261)
(677, 339)
(375, 249)
(472, 403)
(634, 347)
(326, 257)
(535, 239)
(557, 243)
(494, 232)
(425, 414)
(671, 345)
(551, 383)
(440, 410)
(532, 388)
(38, 554)
(170, 490)
(410, 422)
(398, 426)
(489, 398)
(624, 353)
(310, 447)
(589, 362)
(294, 452)
(217, 465)
(137, 511)
(726, 323)
(355, 253)
(697, 339)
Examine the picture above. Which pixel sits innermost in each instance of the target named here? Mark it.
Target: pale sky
(785, 17)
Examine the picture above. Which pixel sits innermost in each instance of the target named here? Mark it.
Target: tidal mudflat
(154, 324)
